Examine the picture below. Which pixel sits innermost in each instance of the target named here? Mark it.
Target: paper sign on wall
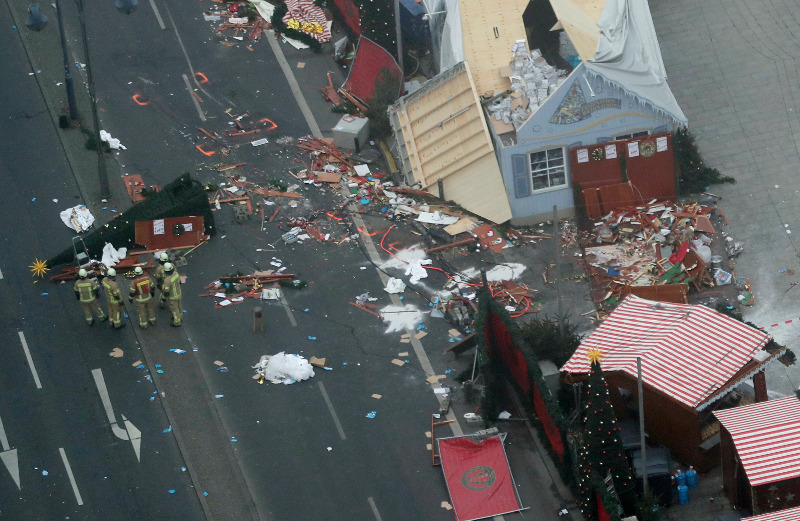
(633, 149)
(583, 155)
(661, 144)
(187, 227)
(611, 151)
(158, 227)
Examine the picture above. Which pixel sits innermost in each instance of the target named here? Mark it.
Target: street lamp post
(36, 21)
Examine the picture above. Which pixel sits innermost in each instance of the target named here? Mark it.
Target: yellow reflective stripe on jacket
(173, 285)
(112, 291)
(85, 290)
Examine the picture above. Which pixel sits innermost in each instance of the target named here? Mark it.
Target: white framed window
(548, 169)
(643, 133)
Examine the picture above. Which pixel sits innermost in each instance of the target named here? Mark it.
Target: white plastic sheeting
(111, 255)
(113, 142)
(79, 218)
(629, 56)
(447, 35)
(284, 368)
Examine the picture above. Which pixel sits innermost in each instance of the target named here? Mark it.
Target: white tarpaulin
(394, 285)
(112, 256)
(284, 369)
(628, 55)
(79, 218)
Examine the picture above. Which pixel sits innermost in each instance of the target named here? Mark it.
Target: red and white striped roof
(687, 351)
(767, 438)
(790, 514)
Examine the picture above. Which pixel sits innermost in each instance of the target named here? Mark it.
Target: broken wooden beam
(451, 245)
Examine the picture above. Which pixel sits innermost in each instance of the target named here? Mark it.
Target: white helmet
(111, 272)
(163, 257)
(82, 273)
(168, 267)
(138, 270)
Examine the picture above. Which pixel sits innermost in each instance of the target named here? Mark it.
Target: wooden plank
(460, 347)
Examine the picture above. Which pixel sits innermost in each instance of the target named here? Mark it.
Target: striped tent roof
(767, 438)
(688, 351)
(790, 514)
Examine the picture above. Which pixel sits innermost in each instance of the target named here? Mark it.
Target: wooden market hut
(693, 359)
(760, 446)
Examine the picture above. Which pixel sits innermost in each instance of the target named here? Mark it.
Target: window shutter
(522, 183)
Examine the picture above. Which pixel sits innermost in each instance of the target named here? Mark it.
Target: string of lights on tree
(601, 453)
(377, 23)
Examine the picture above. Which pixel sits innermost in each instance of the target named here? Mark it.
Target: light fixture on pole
(36, 21)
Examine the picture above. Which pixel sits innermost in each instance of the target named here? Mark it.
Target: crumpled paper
(394, 285)
(416, 271)
(112, 142)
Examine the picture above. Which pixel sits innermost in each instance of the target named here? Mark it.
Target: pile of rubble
(659, 251)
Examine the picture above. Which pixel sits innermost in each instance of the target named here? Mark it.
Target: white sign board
(583, 155)
(633, 149)
(158, 227)
(611, 151)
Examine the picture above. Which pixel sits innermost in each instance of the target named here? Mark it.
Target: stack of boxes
(532, 81)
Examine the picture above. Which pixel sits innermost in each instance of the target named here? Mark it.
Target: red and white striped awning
(767, 438)
(688, 351)
(790, 514)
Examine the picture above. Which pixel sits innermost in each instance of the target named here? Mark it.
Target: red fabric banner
(371, 65)
(478, 477)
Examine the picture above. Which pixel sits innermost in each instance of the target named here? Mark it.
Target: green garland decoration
(280, 27)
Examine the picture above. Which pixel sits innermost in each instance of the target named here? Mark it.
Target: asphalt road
(55, 428)
(306, 451)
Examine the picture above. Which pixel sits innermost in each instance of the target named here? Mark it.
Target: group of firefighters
(141, 292)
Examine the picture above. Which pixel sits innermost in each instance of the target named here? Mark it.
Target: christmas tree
(377, 23)
(602, 452)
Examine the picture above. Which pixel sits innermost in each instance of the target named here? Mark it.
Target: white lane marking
(333, 412)
(71, 477)
(30, 360)
(1, 274)
(9, 457)
(130, 432)
(158, 15)
(374, 509)
(288, 310)
(3, 437)
(180, 42)
(194, 98)
(298, 94)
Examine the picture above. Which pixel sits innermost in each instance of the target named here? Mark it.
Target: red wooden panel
(595, 172)
(550, 428)
(147, 232)
(651, 172)
(617, 196)
(591, 200)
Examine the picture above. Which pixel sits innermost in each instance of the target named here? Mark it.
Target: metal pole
(105, 192)
(73, 107)
(440, 183)
(641, 422)
(557, 261)
(399, 37)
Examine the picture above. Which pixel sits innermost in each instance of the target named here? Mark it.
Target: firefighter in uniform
(171, 289)
(142, 290)
(86, 291)
(163, 259)
(114, 298)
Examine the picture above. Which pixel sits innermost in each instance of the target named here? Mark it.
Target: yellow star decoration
(595, 356)
(293, 24)
(39, 268)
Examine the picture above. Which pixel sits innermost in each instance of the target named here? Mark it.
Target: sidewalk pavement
(732, 68)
